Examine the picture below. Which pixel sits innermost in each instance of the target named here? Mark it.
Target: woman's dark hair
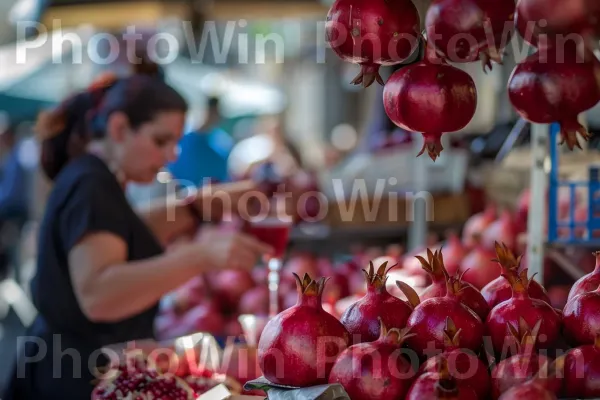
(66, 130)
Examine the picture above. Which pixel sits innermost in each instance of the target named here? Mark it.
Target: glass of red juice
(275, 231)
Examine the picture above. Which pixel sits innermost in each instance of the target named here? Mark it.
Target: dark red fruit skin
(449, 18)
(587, 283)
(516, 370)
(465, 367)
(499, 290)
(581, 318)
(559, 18)
(298, 347)
(352, 24)
(360, 319)
(582, 373)
(424, 389)
(428, 320)
(363, 318)
(531, 310)
(528, 391)
(472, 298)
(554, 85)
(373, 371)
(430, 98)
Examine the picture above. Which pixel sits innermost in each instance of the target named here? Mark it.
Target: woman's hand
(216, 249)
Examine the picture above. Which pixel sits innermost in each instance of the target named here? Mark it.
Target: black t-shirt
(86, 198)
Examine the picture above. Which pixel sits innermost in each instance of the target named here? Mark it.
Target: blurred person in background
(15, 195)
(203, 152)
(102, 269)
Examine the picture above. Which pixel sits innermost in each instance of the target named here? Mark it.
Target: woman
(101, 266)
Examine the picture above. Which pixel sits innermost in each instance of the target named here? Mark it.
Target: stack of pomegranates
(455, 342)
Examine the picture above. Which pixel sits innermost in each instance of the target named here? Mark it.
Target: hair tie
(49, 124)
(103, 81)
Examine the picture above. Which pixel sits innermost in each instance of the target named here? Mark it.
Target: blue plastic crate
(568, 226)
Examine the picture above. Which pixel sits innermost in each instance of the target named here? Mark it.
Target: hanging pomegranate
(291, 350)
(541, 21)
(373, 33)
(463, 365)
(431, 97)
(499, 289)
(556, 84)
(467, 30)
(377, 370)
(362, 319)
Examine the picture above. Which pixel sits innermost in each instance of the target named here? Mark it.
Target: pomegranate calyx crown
(412, 296)
(434, 265)
(506, 258)
(525, 336)
(309, 287)
(446, 389)
(451, 334)
(377, 279)
(393, 336)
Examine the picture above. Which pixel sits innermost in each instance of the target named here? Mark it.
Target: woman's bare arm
(108, 288)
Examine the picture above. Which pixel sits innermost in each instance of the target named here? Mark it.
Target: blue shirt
(202, 156)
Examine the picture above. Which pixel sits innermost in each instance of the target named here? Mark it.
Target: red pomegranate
(362, 319)
(454, 252)
(499, 289)
(292, 350)
(588, 282)
(428, 320)
(478, 267)
(465, 292)
(372, 33)
(376, 370)
(553, 17)
(556, 85)
(476, 225)
(467, 30)
(521, 305)
(440, 385)
(522, 366)
(502, 230)
(431, 97)
(229, 286)
(582, 371)
(255, 301)
(463, 365)
(581, 318)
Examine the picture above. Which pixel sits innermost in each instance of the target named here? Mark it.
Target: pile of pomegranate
(450, 343)
(431, 97)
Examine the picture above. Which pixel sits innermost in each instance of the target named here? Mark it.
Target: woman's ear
(117, 127)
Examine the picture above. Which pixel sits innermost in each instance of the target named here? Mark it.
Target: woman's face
(147, 150)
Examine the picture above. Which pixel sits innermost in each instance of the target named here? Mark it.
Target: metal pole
(537, 212)
(417, 235)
